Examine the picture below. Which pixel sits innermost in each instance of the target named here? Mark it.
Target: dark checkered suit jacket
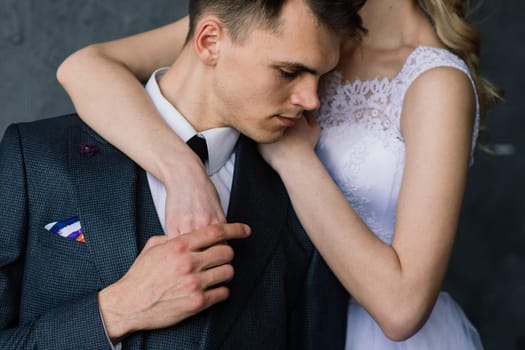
(282, 297)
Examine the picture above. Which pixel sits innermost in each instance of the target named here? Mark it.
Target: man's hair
(240, 16)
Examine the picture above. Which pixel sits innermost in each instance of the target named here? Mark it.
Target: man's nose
(305, 95)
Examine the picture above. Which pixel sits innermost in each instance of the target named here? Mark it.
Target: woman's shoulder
(424, 58)
(434, 71)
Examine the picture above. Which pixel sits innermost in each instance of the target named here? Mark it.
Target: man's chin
(265, 136)
(270, 138)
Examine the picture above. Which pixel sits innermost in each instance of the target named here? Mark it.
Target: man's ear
(207, 39)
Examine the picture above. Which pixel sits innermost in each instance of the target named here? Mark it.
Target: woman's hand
(192, 201)
(302, 137)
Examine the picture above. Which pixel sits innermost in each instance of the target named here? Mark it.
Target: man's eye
(288, 74)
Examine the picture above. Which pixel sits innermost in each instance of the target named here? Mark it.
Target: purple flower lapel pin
(88, 149)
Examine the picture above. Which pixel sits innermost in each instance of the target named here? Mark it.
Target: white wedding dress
(363, 149)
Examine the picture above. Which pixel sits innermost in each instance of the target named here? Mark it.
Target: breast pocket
(63, 246)
(58, 270)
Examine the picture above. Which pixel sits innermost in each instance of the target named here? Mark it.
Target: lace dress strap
(422, 59)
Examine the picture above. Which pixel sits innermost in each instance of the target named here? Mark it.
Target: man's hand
(171, 280)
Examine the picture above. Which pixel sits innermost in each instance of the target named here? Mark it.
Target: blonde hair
(452, 28)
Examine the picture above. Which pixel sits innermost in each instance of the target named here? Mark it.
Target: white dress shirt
(220, 142)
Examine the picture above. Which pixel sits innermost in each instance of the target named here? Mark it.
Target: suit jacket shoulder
(37, 308)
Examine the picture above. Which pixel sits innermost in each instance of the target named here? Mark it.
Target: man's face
(266, 82)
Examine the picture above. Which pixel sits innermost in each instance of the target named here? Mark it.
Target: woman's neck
(393, 24)
(395, 29)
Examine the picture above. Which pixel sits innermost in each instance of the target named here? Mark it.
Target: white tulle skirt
(447, 328)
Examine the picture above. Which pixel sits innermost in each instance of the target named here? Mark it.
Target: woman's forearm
(103, 83)
(369, 269)
(110, 99)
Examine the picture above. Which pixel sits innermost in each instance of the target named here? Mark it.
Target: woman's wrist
(294, 162)
(173, 159)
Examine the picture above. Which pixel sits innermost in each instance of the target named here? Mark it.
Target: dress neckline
(385, 80)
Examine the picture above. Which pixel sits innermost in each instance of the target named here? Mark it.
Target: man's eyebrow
(298, 67)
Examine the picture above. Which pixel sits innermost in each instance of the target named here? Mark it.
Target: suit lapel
(258, 198)
(105, 188)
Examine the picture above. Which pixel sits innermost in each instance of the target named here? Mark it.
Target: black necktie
(198, 145)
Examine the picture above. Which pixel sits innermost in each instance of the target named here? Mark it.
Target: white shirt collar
(220, 141)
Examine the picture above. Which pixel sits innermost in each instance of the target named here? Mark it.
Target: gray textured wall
(487, 273)
(36, 35)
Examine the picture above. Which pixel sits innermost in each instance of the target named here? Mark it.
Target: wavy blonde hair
(452, 28)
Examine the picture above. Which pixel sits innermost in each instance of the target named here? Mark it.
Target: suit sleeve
(74, 325)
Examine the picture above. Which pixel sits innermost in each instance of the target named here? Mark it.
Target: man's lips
(288, 121)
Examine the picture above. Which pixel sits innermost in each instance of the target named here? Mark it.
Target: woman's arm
(397, 284)
(103, 83)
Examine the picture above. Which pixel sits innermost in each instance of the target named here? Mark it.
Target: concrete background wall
(487, 272)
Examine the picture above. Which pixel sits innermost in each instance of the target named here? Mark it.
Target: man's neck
(185, 85)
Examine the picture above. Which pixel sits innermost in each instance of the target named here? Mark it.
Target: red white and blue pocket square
(69, 228)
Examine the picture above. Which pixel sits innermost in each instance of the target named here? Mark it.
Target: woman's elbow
(69, 69)
(403, 322)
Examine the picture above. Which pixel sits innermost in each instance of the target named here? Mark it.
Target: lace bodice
(361, 143)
